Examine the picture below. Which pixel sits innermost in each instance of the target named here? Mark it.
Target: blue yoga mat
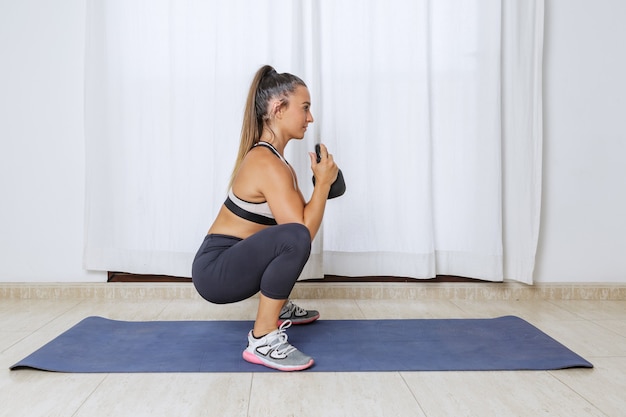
(98, 344)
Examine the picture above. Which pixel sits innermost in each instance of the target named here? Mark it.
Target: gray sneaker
(273, 351)
(296, 314)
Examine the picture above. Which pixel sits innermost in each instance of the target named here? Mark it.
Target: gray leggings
(228, 269)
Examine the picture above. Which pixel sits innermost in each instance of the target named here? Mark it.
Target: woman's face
(297, 115)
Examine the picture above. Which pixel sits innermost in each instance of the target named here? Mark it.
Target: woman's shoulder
(264, 156)
(262, 162)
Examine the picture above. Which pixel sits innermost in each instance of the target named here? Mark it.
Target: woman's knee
(296, 238)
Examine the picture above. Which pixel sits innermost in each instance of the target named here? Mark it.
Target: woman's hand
(325, 171)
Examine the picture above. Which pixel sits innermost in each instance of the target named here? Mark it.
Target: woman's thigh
(270, 261)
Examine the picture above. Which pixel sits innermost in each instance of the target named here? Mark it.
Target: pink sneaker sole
(252, 358)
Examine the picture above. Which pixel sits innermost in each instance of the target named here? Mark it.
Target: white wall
(41, 141)
(583, 234)
(583, 237)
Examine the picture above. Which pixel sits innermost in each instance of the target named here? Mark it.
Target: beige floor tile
(246, 310)
(410, 309)
(594, 329)
(617, 326)
(532, 311)
(111, 309)
(604, 386)
(316, 394)
(31, 315)
(595, 310)
(203, 310)
(497, 394)
(8, 339)
(339, 309)
(586, 338)
(28, 393)
(122, 310)
(167, 395)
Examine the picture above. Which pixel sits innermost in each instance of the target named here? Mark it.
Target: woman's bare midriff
(230, 224)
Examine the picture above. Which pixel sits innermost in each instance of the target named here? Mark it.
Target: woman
(261, 238)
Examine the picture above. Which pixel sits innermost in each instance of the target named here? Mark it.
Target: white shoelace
(281, 339)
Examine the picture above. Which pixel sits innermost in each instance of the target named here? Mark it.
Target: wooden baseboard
(127, 277)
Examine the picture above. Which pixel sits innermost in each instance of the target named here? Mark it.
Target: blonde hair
(267, 85)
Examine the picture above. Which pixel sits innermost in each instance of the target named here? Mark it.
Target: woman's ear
(277, 106)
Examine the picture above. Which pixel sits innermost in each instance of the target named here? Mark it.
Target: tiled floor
(594, 329)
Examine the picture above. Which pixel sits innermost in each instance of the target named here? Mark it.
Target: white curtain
(431, 108)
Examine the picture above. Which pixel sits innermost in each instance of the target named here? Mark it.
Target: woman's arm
(286, 201)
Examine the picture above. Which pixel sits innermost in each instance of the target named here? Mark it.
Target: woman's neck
(275, 140)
